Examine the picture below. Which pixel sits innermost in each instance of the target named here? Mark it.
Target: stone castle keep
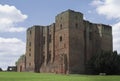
(64, 46)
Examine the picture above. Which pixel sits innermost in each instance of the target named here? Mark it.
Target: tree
(21, 57)
(105, 62)
(0, 69)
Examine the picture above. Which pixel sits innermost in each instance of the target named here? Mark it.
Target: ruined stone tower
(66, 45)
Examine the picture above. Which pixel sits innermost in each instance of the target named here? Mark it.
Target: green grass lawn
(16, 76)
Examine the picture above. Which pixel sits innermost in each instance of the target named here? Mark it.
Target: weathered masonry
(66, 45)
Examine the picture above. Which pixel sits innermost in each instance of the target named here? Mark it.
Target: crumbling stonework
(21, 64)
(66, 45)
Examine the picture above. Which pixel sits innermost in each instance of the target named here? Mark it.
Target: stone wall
(66, 45)
(21, 64)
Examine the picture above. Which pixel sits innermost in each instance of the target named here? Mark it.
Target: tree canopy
(0, 69)
(105, 62)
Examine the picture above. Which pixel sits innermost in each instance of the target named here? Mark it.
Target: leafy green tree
(105, 62)
(0, 69)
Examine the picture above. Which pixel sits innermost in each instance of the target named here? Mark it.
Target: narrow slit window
(60, 26)
(60, 38)
(76, 25)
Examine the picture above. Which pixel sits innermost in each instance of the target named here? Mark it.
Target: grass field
(15, 76)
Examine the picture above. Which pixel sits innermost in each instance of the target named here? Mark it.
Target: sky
(18, 15)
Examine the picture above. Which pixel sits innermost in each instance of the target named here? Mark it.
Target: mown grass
(16, 76)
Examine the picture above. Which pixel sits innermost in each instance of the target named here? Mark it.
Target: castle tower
(98, 38)
(76, 42)
(62, 43)
(48, 48)
(66, 45)
(34, 48)
(69, 42)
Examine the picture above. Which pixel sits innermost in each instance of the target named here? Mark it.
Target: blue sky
(17, 15)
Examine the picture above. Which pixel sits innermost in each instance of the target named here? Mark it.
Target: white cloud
(110, 9)
(9, 17)
(116, 34)
(10, 50)
(97, 2)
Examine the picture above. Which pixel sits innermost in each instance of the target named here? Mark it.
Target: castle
(64, 46)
